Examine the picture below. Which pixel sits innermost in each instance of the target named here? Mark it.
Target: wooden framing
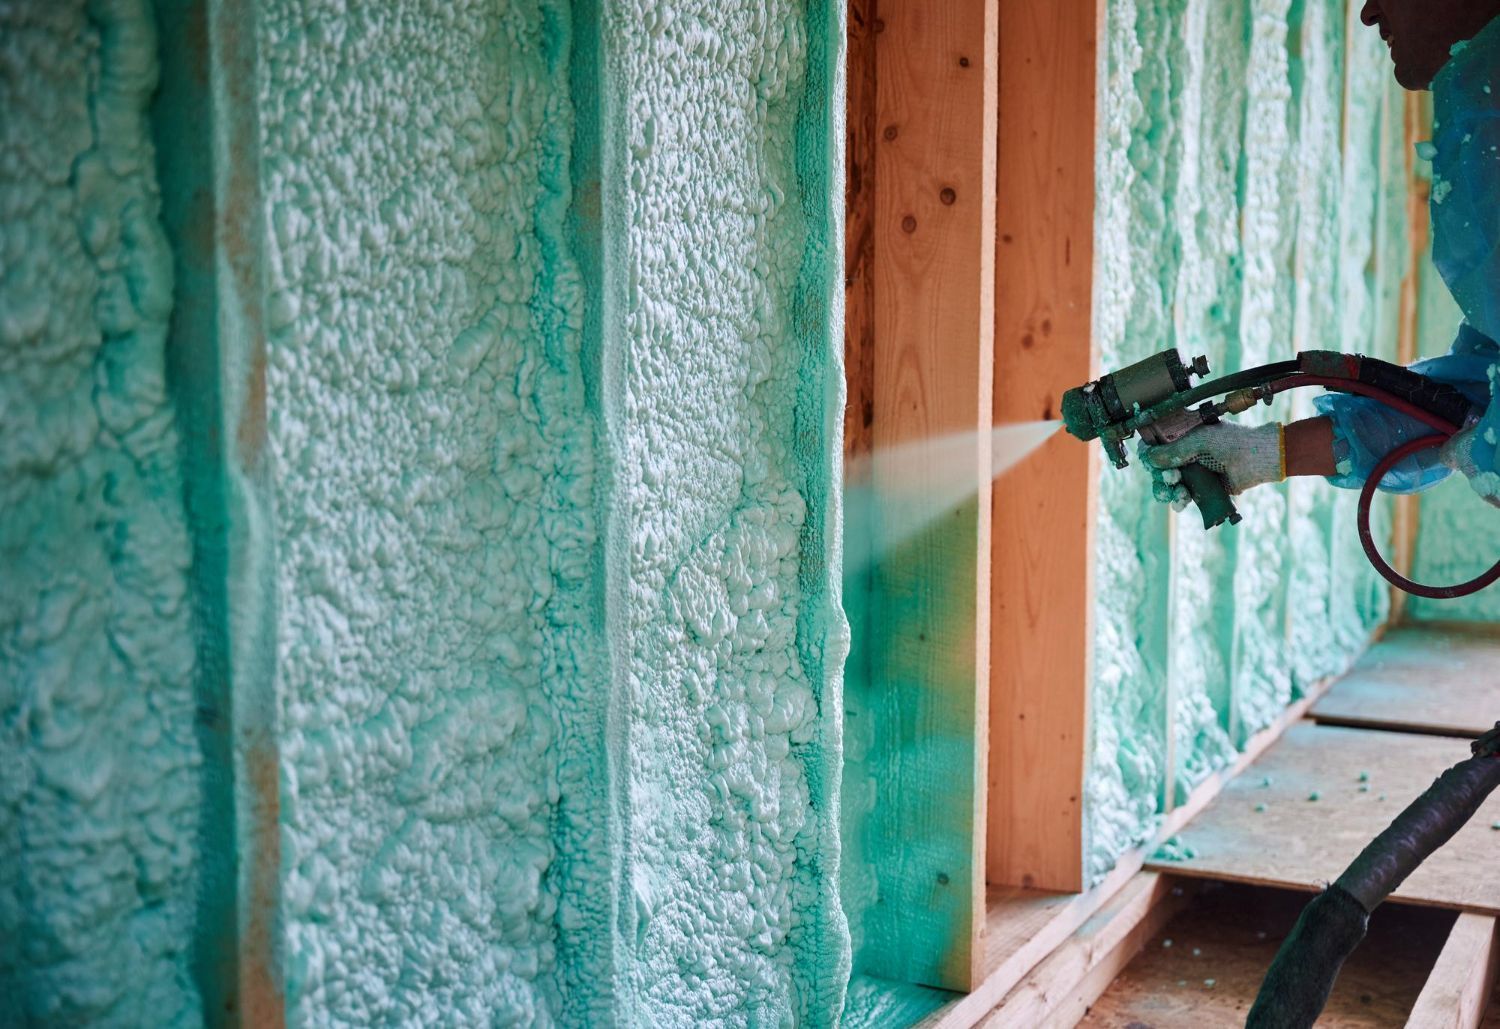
(1025, 926)
(1042, 636)
(1417, 124)
(1061, 989)
(920, 275)
(1459, 987)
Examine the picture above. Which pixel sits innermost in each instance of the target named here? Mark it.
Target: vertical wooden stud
(933, 274)
(1044, 509)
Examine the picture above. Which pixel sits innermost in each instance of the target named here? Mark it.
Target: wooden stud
(933, 304)
(1459, 987)
(1060, 990)
(1042, 642)
(1417, 124)
(859, 232)
(1027, 925)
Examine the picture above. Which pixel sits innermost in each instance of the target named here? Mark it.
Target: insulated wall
(1251, 200)
(440, 674)
(722, 384)
(452, 631)
(100, 795)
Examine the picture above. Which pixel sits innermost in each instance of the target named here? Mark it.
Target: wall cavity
(722, 255)
(99, 802)
(440, 672)
(1235, 220)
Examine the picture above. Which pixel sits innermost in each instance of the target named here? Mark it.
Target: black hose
(1303, 972)
(1302, 975)
(1428, 823)
(1257, 376)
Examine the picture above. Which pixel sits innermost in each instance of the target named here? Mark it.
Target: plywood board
(1266, 828)
(1443, 680)
(1206, 966)
(1042, 583)
(928, 623)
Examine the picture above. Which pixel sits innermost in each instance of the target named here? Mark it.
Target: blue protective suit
(1466, 250)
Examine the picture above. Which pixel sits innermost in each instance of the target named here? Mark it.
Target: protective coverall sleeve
(1365, 430)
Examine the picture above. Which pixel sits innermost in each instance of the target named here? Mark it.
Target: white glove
(1245, 456)
(1458, 454)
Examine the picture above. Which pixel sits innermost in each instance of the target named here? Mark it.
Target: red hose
(1442, 432)
(1395, 578)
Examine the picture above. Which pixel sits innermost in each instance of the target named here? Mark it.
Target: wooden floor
(1280, 824)
(1300, 814)
(1205, 967)
(1441, 680)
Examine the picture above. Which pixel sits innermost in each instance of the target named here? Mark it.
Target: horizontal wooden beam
(1458, 989)
(1010, 957)
(1062, 988)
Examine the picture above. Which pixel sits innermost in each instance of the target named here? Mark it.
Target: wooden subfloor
(1205, 967)
(1440, 680)
(1300, 814)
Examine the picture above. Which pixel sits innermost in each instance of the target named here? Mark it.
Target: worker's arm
(1246, 456)
(1365, 430)
(1309, 447)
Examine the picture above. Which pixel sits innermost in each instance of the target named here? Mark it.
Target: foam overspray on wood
(1212, 116)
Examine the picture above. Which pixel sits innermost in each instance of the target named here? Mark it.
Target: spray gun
(1156, 399)
(1144, 398)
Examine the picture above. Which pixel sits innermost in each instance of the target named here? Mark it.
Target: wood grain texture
(1458, 990)
(1222, 945)
(1266, 827)
(1059, 991)
(933, 372)
(1023, 926)
(859, 230)
(1044, 509)
(1419, 678)
(1417, 126)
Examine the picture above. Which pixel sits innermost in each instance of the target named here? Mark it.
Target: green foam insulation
(1455, 525)
(552, 427)
(100, 798)
(723, 187)
(1235, 220)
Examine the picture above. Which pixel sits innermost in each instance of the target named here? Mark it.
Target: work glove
(1245, 456)
(1458, 454)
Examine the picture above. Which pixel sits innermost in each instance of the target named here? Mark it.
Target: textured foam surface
(99, 795)
(1231, 224)
(725, 377)
(440, 676)
(455, 620)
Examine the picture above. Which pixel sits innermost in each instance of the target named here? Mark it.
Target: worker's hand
(1245, 456)
(1458, 454)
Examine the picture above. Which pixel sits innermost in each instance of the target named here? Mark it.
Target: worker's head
(1421, 33)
